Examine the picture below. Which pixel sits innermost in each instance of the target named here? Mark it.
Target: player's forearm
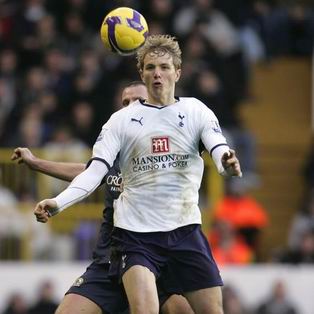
(60, 170)
(82, 186)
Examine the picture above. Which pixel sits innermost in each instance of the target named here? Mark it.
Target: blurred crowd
(277, 302)
(300, 244)
(58, 85)
(44, 303)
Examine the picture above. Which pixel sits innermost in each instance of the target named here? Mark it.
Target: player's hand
(23, 155)
(43, 208)
(231, 164)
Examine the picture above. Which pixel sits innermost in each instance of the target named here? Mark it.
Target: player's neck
(161, 101)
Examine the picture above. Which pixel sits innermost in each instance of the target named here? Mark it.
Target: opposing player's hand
(231, 164)
(23, 155)
(41, 210)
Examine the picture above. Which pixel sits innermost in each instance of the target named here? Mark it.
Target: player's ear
(178, 74)
(141, 74)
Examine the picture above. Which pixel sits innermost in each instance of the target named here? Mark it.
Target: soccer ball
(123, 31)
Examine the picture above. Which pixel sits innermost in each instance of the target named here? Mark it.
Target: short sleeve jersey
(159, 161)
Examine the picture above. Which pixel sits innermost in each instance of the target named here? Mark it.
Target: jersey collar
(145, 103)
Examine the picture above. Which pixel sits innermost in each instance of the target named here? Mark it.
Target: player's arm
(88, 180)
(81, 187)
(61, 170)
(224, 158)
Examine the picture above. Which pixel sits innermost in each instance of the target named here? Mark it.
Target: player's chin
(157, 87)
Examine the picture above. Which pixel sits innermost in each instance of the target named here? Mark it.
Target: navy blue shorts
(95, 285)
(181, 259)
(110, 296)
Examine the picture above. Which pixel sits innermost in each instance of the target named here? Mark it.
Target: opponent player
(157, 218)
(93, 292)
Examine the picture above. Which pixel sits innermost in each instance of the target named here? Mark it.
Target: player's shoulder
(194, 104)
(124, 111)
(188, 101)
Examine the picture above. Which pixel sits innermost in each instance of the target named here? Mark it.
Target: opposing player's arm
(88, 180)
(81, 187)
(61, 170)
(211, 135)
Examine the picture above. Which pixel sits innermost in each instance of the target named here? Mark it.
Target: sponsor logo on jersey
(160, 145)
(78, 282)
(158, 162)
(115, 182)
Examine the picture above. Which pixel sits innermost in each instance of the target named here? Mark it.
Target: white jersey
(160, 162)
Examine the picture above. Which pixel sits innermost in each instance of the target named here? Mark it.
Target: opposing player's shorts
(110, 296)
(181, 258)
(95, 285)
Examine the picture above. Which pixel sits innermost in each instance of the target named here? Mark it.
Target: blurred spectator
(301, 27)
(58, 72)
(285, 29)
(83, 123)
(253, 47)
(302, 254)
(308, 170)
(8, 85)
(232, 304)
(7, 102)
(156, 28)
(8, 11)
(302, 223)
(270, 23)
(31, 128)
(76, 37)
(201, 17)
(242, 212)
(161, 12)
(228, 247)
(199, 56)
(32, 11)
(36, 82)
(278, 302)
(46, 33)
(208, 87)
(12, 226)
(89, 82)
(46, 303)
(64, 146)
(9, 65)
(16, 226)
(51, 112)
(186, 17)
(16, 305)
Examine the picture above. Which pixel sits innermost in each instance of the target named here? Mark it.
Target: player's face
(160, 76)
(133, 93)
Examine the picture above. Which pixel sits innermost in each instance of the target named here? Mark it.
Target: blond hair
(160, 43)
